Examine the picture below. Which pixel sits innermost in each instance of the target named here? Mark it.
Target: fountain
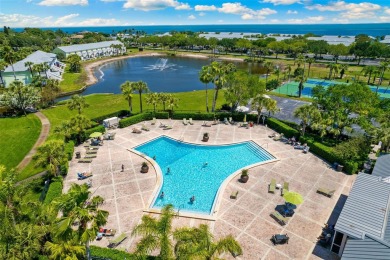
(161, 64)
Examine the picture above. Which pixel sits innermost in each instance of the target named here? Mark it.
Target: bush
(69, 149)
(281, 127)
(54, 191)
(120, 113)
(98, 128)
(112, 254)
(64, 168)
(135, 119)
(161, 115)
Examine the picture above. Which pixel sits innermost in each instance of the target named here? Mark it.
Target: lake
(162, 74)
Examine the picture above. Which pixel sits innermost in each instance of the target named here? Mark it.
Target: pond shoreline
(90, 67)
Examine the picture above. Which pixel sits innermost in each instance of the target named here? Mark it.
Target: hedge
(281, 127)
(120, 113)
(112, 254)
(135, 119)
(69, 149)
(54, 191)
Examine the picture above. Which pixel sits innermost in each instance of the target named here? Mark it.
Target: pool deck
(247, 218)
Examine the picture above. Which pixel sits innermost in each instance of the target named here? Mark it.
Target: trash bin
(340, 167)
(78, 155)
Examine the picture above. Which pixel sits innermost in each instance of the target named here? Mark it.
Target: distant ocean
(376, 29)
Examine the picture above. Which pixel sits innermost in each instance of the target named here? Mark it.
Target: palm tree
(268, 67)
(384, 65)
(197, 243)
(79, 124)
(206, 77)
(155, 234)
(343, 69)
(277, 73)
(45, 68)
(368, 70)
(289, 68)
(65, 249)
(74, 61)
(127, 91)
(220, 72)
(172, 102)
(262, 101)
(140, 86)
(51, 90)
(9, 56)
(336, 70)
(77, 102)
(300, 60)
(152, 99)
(310, 61)
(302, 79)
(3, 65)
(28, 64)
(51, 154)
(77, 206)
(331, 67)
(307, 114)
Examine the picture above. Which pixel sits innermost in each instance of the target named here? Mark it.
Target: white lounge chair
(154, 120)
(185, 121)
(190, 121)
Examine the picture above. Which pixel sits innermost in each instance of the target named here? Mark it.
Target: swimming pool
(197, 170)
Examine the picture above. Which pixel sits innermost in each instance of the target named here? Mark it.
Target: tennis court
(291, 88)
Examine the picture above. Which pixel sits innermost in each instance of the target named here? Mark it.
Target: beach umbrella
(293, 198)
(95, 134)
(244, 118)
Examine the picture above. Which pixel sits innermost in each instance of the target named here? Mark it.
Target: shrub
(64, 168)
(161, 115)
(69, 149)
(54, 191)
(135, 119)
(98, 128)
(112, 254)
(119, 113)
(282, 128)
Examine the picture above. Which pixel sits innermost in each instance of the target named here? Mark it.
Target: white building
(22, 73)
(94, 50)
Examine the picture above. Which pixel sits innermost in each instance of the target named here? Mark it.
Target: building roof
(387, 41)
(36, 58)
(367, 248)
(382, 166)
(87, 46)
(366, 209)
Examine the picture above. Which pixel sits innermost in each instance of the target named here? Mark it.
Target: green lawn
(102, 104)
(72, 81)
(19, 134)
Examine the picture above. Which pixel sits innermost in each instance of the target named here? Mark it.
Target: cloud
(275, 21)
(384, 18)
(202, 14)
(191, 17)
(245, 12)
(220, 21)
(340, 20)
(310, 20)
(292, 12)
(205, 8)
(281, 2)
(387, 11)
(63, 2)
(20, 20)
(148, 5)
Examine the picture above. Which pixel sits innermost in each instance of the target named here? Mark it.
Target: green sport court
(291, 88)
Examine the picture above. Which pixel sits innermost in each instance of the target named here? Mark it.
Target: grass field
(19, 134)
(72, 81)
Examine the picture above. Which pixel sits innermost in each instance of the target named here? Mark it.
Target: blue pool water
(189, 176)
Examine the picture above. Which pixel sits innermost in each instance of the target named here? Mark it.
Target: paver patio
(247, 218)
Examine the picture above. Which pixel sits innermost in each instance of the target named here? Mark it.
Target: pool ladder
(178, 211)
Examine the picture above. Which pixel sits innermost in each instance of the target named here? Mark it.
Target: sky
(68, 13)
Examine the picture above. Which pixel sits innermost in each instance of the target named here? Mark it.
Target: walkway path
(41, 139)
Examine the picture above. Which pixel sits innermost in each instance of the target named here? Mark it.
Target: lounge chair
(231, 121)
(306, 149)
(206, 124)
(84, 175)
(167, 127)
(285, 188)
(326, 192)
(90, 156)
(280, 239)
(185, 121)
(272, 186)
(163, 125)
(111, 136)
(145, 128)
(154, 120)
(234, 195)
(107, 232)
(136, 131)
(91, 152)
(278, 137)
(190, 121)
(92, 148)
(116, 241)
(279, 218)
(85, 160)
(215, 122)
(225, 121)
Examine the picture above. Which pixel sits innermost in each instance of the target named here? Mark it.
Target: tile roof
(87, 46)
(367, 248)
(382, 166)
